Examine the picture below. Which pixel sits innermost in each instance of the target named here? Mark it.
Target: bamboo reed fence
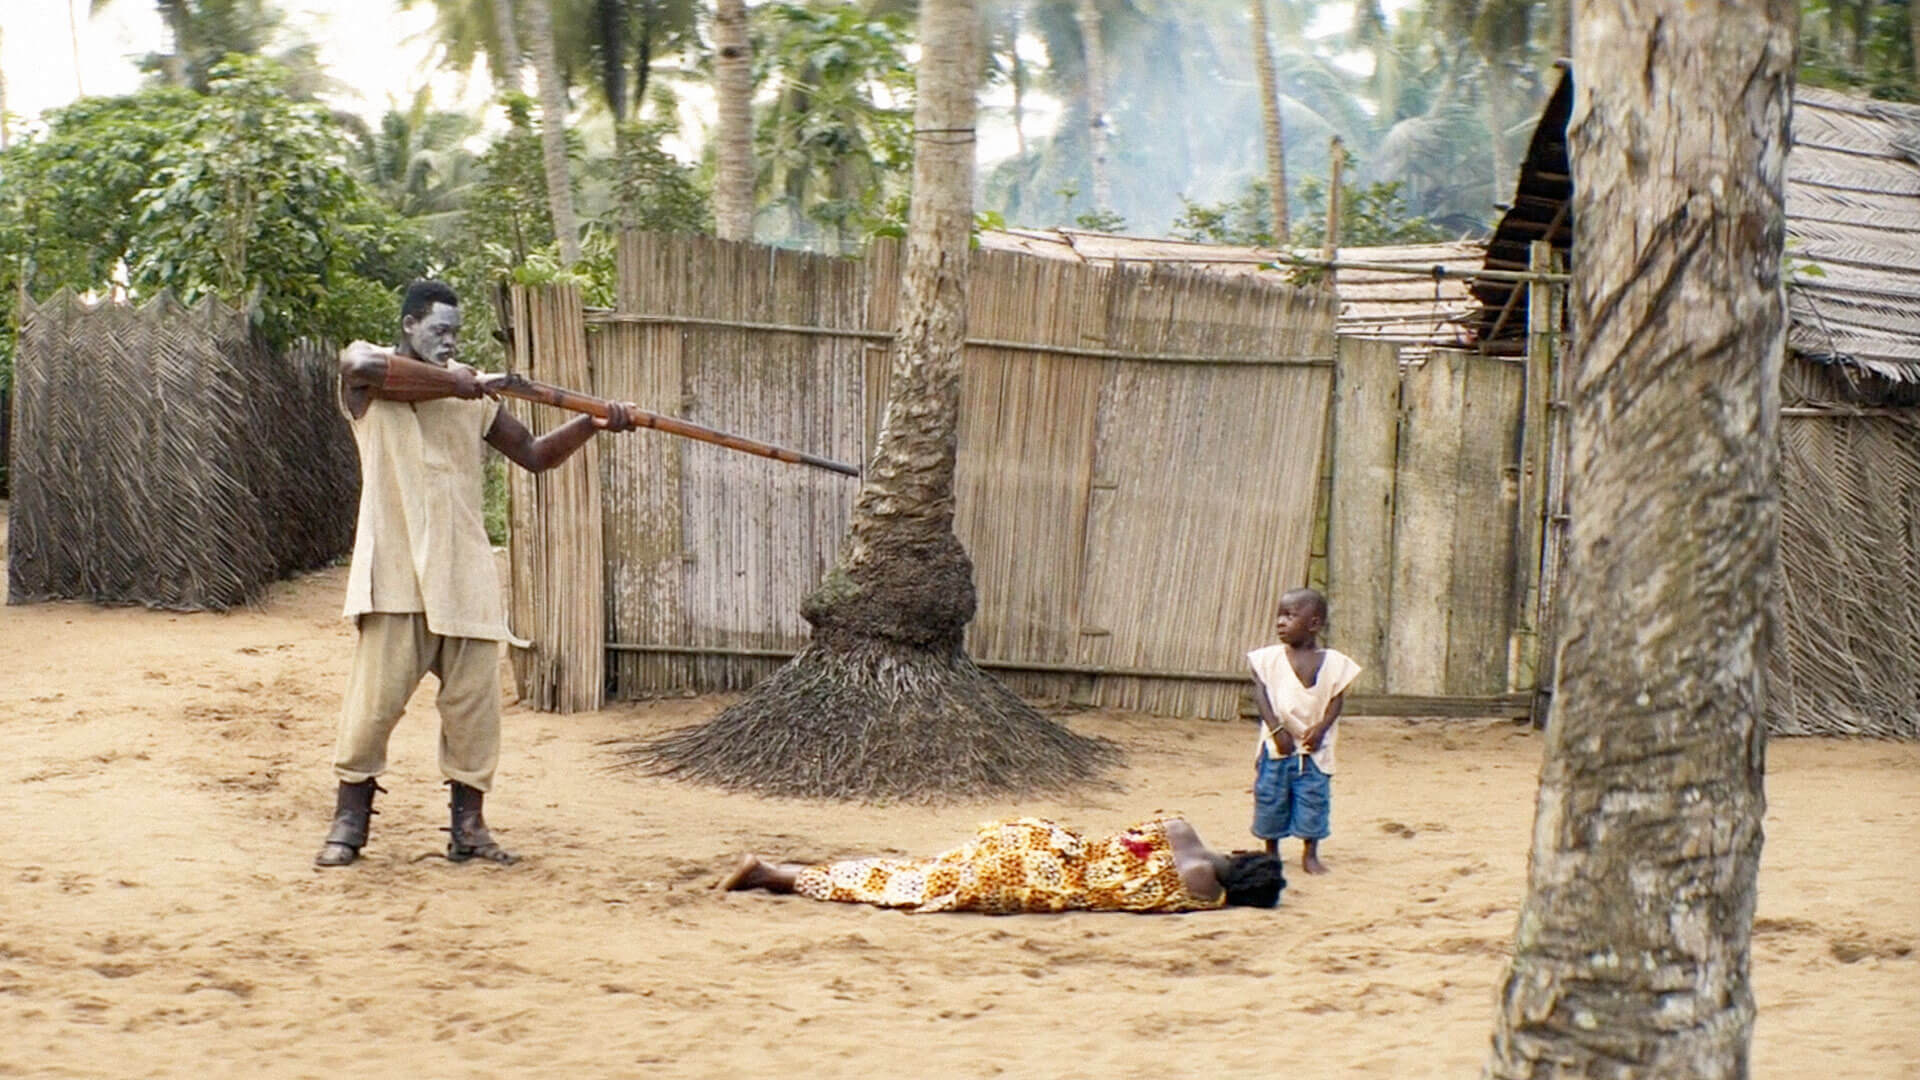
(555, 551)
(163, 455)
(1139, 451)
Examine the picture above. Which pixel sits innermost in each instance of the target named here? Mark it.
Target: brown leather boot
(468, 838)
(352, 815)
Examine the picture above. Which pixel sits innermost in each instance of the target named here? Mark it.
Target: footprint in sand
(1853, 948)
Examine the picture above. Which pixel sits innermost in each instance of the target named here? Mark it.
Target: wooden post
(1336, 159)
(1359, 545)
(1523, 645)
(1554, 517)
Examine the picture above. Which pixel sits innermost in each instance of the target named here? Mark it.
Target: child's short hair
(1313, 597)
(1253, 879)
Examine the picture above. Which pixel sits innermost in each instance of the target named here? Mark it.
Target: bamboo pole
(1555, 513)
(1523, 645)
(1330, 250)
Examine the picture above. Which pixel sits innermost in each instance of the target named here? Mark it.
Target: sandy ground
(164, 784)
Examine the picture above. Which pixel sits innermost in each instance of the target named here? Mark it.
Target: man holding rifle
(422, 589)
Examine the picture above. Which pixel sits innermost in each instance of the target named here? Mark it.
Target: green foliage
(654, 190)
(836, 142)
(1246, 219)
(508, 205)
(1860, 46)
(240, 192)
(1370, 215)
(416, 162)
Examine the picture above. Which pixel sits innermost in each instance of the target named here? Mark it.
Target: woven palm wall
(163, 455)
(1849, 627)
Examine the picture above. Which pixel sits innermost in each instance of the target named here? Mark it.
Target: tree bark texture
(733, 151)
(1087, 14)
(509, 37)
(1270, 117)
(553, 129)
(902, 528)
(1632, 947)
(884, 703)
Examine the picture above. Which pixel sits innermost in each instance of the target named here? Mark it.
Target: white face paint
(435, 335)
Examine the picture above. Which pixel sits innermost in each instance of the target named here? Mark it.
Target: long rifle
(519, 386)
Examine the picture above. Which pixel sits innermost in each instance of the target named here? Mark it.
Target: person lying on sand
(1033, 865)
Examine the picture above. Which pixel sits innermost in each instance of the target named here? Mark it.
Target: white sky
(382, 53)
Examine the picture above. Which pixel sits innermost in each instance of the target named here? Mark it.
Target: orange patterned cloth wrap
(1019, 865)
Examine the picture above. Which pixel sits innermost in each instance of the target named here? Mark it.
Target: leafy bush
(240, 192)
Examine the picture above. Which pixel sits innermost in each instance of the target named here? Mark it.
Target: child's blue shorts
(1291, 798)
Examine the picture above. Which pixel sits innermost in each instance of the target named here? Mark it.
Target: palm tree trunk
(1019, 79)
(73, 38)
(909, 490)
(553, 130)
(1087, 14)
(884, 702)
(1632, 951)
(733, 151)
(1502, 164)
(509, 44)
(1270, 117)
(3, 97)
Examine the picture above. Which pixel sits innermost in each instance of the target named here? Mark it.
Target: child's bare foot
(743, 876)
(1310, 860)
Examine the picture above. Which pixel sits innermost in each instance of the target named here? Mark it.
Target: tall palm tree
(553, 128)
(506, 53)
(1087, 14)
(1270, 117)
(884, 697)
(3, 97)
(416, 162)
(1632, 953)
(733, 147)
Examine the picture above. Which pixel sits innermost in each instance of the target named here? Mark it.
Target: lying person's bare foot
(743, 874)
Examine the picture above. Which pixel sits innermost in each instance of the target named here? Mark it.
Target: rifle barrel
(547, 394)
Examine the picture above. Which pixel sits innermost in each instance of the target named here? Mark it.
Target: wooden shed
(1847, 655)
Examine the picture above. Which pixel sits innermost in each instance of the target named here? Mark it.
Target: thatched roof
(1416, 312)
(1853, 229)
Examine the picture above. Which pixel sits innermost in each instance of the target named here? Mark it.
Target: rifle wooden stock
(519, 386)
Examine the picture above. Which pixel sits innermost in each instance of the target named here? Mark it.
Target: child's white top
(1299, 707)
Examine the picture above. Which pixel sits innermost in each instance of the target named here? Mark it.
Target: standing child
(1299, 687)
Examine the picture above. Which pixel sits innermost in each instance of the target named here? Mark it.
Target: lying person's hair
(1253, 879)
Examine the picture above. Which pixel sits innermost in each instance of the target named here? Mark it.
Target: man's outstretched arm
(512, 439)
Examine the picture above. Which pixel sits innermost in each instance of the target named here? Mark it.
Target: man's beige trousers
(394, 652)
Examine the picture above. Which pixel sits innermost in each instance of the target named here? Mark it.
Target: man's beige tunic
(422, 587)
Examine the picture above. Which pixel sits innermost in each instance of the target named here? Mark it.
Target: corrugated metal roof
(1853, 228)
(1416, 312)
